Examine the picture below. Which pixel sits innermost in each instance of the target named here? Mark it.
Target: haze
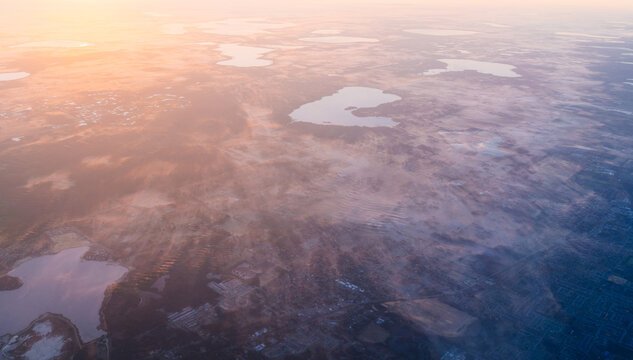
(374, 180)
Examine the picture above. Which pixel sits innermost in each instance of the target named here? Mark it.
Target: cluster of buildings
(193, 319)
(233, 294)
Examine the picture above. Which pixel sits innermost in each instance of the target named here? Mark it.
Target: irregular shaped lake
(483, 67)
(339, 39)
(240, 27)
(13, 76)
(440, 32)
(54, 44)
(575, 34)
(244, 56)
(337, 109)
(174, 29)
(327, 32)
(62, 283)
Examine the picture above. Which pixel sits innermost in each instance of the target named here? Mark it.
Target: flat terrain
(491, 219)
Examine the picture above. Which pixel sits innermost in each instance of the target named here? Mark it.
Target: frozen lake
(13, 76)
(327, 32)
(62, 284)
(244, 56)
(576, 34)
(338, 108)
(483, 67)
(496, 25)
(440, 32)
(174, 29)
(240, 27)
(339, 39)
(54, 44)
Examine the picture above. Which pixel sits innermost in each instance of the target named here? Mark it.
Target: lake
(13, 76)
(244, 56)
(338, 108)
(62, 283)
(482, 67)
(339, 39)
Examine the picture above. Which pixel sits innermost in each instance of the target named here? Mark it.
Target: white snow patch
(43, 328)
(349, 285)
(46, 348)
